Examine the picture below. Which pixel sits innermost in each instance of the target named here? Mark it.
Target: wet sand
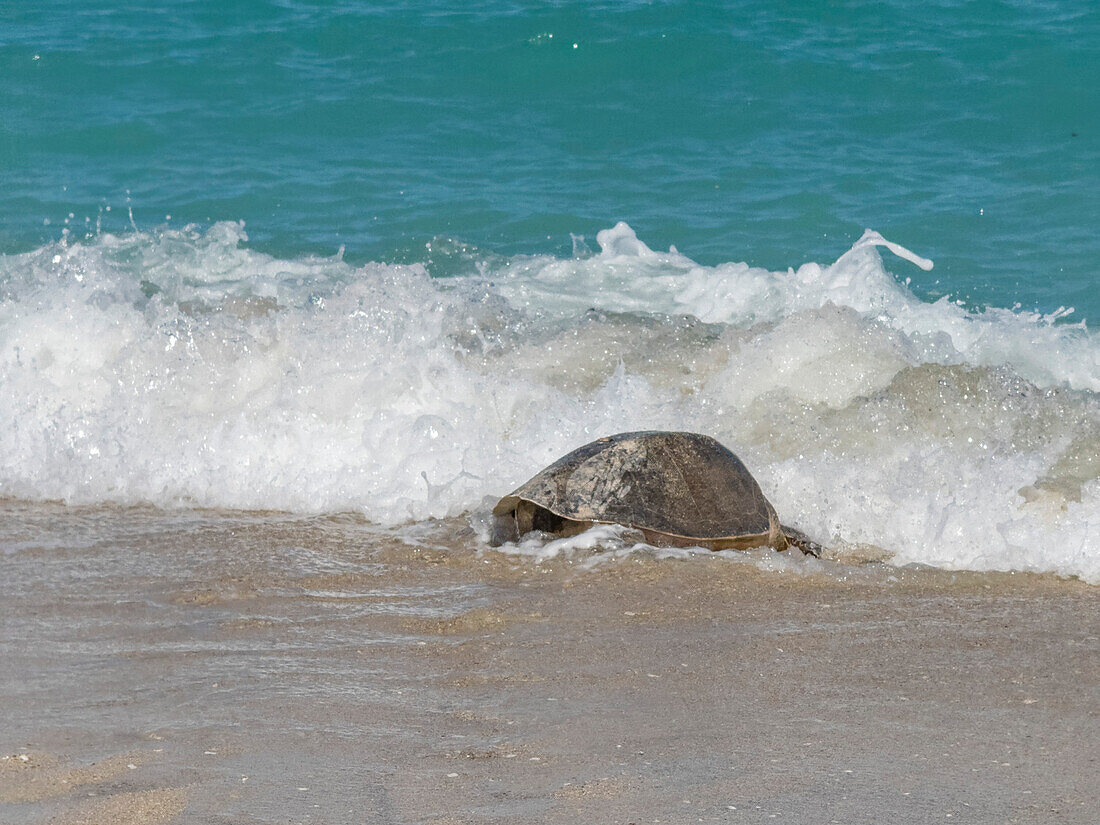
(262, 668)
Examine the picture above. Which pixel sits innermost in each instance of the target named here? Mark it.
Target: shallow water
(259, 667)
(290, 294)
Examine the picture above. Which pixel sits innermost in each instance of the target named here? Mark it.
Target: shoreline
(303, 671)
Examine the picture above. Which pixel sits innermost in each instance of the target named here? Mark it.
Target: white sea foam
(182, 367)
(606, 543)
(627, 276)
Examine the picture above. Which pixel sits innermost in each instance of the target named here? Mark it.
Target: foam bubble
(608, 543)
(627, 276)
(182, 367)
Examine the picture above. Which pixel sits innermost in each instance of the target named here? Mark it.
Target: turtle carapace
(678, 489)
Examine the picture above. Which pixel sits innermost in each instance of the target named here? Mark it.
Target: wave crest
(182, 367)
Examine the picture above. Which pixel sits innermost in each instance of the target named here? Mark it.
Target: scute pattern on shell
(680, 484)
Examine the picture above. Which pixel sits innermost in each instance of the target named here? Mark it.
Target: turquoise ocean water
(766, 132)
(395, 257)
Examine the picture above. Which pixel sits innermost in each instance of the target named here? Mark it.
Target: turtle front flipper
(802, 541)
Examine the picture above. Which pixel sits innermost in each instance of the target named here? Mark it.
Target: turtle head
(515, 517)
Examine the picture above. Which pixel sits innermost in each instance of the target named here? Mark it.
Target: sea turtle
(678, 489)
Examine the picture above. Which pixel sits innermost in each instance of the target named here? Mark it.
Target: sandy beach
(294, 294)
(255, 668)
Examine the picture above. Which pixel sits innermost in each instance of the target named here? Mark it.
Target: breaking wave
(181, 367)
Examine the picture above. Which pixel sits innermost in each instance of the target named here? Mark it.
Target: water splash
(180, 367)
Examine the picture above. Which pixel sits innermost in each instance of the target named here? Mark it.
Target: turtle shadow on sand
(677, 489)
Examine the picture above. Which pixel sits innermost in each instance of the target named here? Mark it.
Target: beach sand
(263, 668)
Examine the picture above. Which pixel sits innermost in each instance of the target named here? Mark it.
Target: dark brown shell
(677, 488)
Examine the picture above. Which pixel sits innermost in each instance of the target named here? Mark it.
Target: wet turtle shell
(678, 489)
